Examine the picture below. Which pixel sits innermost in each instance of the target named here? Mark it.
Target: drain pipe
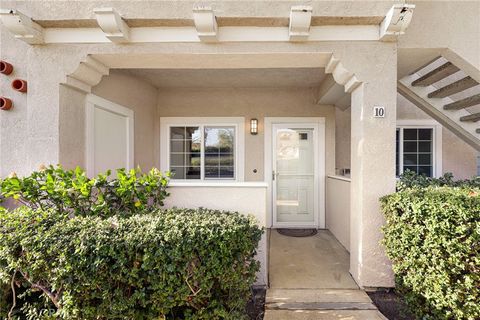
(5, 103)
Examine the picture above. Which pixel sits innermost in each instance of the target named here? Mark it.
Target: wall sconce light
(253, 126)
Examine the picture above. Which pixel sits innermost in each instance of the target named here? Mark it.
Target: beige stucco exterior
(47, 124)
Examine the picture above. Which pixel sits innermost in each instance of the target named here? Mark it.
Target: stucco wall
(141, 97)
(338, 209)
(464, 166)
(250, 103)
(445, 24)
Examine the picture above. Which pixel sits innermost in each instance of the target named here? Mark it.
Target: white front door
(295, 175)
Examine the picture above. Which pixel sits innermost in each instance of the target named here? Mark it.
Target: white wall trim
(217, 184)
(438, 139)
(224, 34)
(268, 126)
(237, 122)
(93, 101)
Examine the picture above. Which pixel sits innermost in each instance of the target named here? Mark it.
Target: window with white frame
(199, 149)
(416, 150)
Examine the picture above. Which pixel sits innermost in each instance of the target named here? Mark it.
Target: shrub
(72, 192)
(410, 179)
(176, 263)
(432, 236)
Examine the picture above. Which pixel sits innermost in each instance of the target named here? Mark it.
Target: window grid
(415, 150)
(193, 164)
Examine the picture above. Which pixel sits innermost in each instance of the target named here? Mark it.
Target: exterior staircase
(319, 304)
(448, 95)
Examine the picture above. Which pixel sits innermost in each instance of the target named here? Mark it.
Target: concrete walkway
(309, 279)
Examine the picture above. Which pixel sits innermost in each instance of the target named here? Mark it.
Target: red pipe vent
(5, 67)
(5, 103)
(19, 85)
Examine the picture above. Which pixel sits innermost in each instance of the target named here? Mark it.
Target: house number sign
(378, 112)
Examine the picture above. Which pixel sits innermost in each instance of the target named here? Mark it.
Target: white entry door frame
(318, 124)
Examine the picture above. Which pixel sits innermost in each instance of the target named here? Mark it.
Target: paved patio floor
(309, 280)
(318, 262)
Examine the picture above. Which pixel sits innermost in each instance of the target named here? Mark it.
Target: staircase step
(435, 75)
(323, 315)
(464, 103)
(316, 295)
(471, 118)
(453, 88)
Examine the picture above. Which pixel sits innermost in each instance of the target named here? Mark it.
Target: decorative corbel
(22, 27)
(205, 23)
(112, 24)
(300, 20)
(396, 21)
(88, 74)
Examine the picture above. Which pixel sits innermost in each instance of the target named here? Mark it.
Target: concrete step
(317, 299)
(316, 295)
(323, 315)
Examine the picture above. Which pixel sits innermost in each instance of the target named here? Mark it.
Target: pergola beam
(21, 26)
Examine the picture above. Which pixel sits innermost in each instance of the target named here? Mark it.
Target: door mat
(297, 232)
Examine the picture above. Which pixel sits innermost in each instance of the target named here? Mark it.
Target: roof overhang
(299, 25)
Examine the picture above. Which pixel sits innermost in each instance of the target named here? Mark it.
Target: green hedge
(177, 264)
(72, 192)
(432, 236)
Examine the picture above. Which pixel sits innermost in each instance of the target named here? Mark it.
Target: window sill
(219, 184)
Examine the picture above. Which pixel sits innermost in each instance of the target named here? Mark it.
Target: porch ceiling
(221, 78)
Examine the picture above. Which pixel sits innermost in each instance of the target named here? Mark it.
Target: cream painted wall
(141, 97)
(72, 128)
(250, 103)
(462, 167)
(445, 24)
(338, 209)
(342, 138)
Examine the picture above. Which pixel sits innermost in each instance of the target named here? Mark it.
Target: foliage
(165, 264)
(409, 179)
(432, 236)
(72, 192)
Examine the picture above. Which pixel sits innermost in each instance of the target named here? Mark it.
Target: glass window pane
(411, 168)
(425, 158)
(425, 134)
(192, 173)
(226, 172)
(410, 147)
(192, 133)
(192, 159)
(211, 159)
(211, 172)
(426, 170)
(177, 159)
(409, 159)
(177, 173)
(219, 156)
(226, 159)
(177, 133)
(424, 146)
(177, 146)
(219, 139)
(409, 134)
